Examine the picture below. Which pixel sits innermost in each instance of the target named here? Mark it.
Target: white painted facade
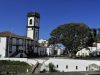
(98, 45)
(50, 51)
(19, 45)
(30, 32)
(52, 48)
(91, 50)
(15, 47)
(3, 46)
(59, 51)
(84, 52)
(43, 42)
(69, 65)
(33, 26)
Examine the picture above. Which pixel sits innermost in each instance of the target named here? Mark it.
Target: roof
(33, 14)
(10, 34)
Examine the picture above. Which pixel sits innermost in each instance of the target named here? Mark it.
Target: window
(86, 68)
(76, 67)
(30, 21)
(36, 35)
(66, 66)
(10, 49)
(57, 66)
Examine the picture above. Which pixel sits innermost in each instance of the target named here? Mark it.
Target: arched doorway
(21, 55)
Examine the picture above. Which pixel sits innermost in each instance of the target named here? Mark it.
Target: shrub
(51, 67)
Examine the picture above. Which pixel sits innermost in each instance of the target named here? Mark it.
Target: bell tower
(33, 20)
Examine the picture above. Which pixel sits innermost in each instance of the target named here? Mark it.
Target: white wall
(71, 63)
(50, 51)
(43, 42)
(30, 32)
(98, 45)
(84, 52)
(3, 46)
(60, 51)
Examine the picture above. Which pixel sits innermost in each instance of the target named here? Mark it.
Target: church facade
(13, 45)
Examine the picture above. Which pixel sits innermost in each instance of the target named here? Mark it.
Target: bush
(43, 71)
(51, 67)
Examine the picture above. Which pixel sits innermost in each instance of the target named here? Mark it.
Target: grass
(14, 66)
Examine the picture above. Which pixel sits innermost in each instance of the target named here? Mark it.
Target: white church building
(13, 45)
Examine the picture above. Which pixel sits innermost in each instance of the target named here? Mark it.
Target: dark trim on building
(17, 46)
(33, 27)
(34, 30)
(10, 45)
(6, 54)
(33, 14)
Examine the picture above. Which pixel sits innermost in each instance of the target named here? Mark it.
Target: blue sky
(53, 13)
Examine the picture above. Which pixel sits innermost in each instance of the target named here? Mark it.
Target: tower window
(36, 35)
(30, 21)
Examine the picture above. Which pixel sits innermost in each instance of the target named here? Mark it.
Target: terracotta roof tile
(10, 34)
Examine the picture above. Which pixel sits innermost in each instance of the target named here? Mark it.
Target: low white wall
(67, 65)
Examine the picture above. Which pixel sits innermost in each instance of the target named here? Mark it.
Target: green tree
(98, 35)
(72, 35)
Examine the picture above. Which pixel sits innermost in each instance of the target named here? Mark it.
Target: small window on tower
(36, 35)
(30, 21)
